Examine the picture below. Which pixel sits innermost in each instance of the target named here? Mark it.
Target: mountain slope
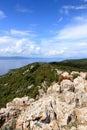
(28, 80)
(62, 107)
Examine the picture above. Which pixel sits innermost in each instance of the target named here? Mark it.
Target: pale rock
(69, 97)
(67, 85)
(53, 110)
(32, 66)
(41, 92)
(65, 74)
(82, 127)
(54, 125)
(81, 114)
(78, 80)
(18, 102)
(83, 75)
(26, 71)
(80, 84)
(3, 110)
(73, 128)
(54, 88)
(29, 87)
(74, 72)
(81, 99)
(59, 71)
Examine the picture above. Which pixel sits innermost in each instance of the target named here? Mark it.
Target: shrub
(75, 75)
(61, 77)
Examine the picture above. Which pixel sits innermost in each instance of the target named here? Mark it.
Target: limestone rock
(65, 74)
(54, 88)
(81, 114)
(83, 75)
(82, 127)
(69, 97)
(63, 107)
(67, 85)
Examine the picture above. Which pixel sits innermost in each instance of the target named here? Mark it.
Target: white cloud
(5, 39)
(80, 19)
(70, 41)
(22, 33)
(75, 7)
(54, 52)
(73, 32)
(23, 9)
(2, 14)
(83, 44)
(65, 9)
(22, 46)
(46, 48)
(85, 0)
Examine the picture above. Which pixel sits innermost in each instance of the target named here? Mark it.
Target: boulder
(67, 85)
(65, 74)
(54, 88)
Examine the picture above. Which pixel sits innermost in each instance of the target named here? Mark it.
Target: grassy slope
(72, 65)
(17, 82)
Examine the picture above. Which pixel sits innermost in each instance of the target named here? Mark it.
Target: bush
(75, 75)
(61, 77)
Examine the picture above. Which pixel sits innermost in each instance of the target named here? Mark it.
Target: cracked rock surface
(54, 110)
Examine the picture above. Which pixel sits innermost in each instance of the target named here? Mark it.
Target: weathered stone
(63, 107)
(81, 114)
(66, 85)
(83, 75)
(65, 74)
(82, 127)
(54, 88)
(69, 97)
(73, 128)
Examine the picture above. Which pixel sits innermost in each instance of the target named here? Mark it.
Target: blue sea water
(7, 64)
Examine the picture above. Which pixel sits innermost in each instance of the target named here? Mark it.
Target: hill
(61, 106)
(28, 80)
(70, 65)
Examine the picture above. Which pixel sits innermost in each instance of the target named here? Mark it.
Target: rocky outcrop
(63, 107)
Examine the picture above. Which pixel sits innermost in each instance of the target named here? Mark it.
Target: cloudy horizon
(51, 28)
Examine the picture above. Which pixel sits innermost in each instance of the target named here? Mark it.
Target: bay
(7, 64)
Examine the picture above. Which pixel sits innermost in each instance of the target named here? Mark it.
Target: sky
(43, 28)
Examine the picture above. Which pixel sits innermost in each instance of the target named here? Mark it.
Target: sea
(7, 64)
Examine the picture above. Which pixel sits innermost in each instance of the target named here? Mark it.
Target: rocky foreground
(63, 107)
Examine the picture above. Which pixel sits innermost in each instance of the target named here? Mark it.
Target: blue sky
(43, 28)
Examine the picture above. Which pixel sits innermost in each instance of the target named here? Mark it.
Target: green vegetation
(9, 126)
(74, 124)
(29, 79)
(71, 65)
(75, 75)
(26, 81)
